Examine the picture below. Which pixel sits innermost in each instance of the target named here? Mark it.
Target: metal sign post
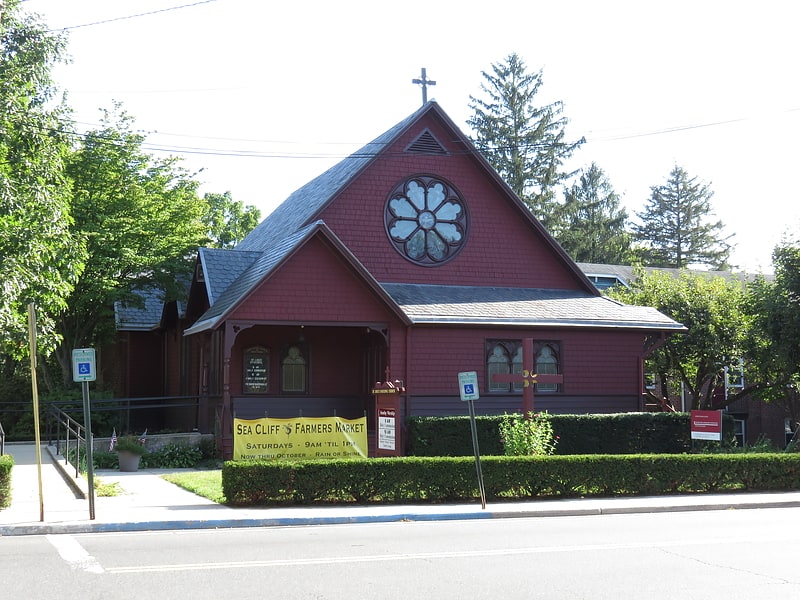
(84, 370)
(468, 388)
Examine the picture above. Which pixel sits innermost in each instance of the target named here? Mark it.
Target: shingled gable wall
(503, 247)
(314, 285)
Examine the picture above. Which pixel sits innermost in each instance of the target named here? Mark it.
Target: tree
(593, 225)
(675, 230)
(713, 310)
(40, 258)
(526, 144)
(228, 221)
(775, 343)
(141, 221)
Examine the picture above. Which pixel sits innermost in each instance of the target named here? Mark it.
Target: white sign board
(84, 367)
(468, 385)
(387, 423)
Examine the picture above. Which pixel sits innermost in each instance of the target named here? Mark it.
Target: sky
(260, 97)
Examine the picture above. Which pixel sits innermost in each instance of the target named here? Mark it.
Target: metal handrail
(2, 440)
(71, 426)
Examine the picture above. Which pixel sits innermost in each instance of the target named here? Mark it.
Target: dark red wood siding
(502, 247)
(600, 369)
(315, 286)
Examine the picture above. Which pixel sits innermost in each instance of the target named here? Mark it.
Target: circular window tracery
(426, 220)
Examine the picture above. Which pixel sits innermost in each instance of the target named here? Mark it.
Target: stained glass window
(426, 220)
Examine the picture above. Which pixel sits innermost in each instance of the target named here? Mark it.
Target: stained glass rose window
(426, 220)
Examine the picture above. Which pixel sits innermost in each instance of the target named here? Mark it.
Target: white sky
(263, 96)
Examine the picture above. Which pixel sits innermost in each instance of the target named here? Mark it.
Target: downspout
(406, 401)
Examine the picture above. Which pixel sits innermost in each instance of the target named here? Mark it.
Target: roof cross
(424, 82)
(528, 377)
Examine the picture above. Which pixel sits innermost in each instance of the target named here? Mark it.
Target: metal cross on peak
(424, 82)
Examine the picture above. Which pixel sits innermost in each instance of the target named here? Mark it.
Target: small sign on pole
(468, 388)
(84, 365)
(84, 370)
(468, 384)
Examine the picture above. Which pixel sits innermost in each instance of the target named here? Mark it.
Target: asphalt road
(730, 555)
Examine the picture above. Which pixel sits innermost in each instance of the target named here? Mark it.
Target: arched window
(498, 363)
(546, 364)
(504, 357)
(516, 368)
(294, 372)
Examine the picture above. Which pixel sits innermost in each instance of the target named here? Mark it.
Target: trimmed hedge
(6, 462)
(448, 479)
(623, 433)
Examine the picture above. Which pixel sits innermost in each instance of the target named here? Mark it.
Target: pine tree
(593, 226)
(675, 229)
(524, 143)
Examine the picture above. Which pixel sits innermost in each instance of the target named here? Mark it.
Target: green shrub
(448, 479)
(172, 456)
(623, 433)
(6, 463)
(532, 436)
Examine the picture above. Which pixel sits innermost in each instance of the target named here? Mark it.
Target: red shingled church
(409, 262)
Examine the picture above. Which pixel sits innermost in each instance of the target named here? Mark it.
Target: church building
(405, 264)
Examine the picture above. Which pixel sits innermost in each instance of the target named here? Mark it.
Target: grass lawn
(203, 483)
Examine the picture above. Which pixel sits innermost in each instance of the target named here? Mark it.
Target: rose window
(426, 220)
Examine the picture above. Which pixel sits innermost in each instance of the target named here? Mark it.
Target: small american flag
(113, 440)
(143, 438)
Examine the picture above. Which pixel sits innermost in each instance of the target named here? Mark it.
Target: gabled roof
(444, 304)
(232, 275)
(226, 265)
(303, 205)
(142, 315)
(147, 310)
(266, 263)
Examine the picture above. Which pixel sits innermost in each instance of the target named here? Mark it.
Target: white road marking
(74, 554)
(331, 560)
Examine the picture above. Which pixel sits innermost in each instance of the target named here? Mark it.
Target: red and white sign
(706, 424)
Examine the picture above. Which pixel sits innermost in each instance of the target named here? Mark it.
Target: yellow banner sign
(299, 439)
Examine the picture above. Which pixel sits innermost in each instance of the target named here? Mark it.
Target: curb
(77, 528)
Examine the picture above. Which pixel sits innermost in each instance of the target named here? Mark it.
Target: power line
(68, 130)
(144, 14)
(667, 130)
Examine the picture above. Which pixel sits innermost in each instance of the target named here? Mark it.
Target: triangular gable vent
(425, 143)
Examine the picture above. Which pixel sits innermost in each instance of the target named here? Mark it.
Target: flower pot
(128, 461)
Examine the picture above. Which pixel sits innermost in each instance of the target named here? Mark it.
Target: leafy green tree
(713, 310)
(775, 343)
(593, 226)
(227, 220)
(40, 258)
(675, 229)
(525, 143)
(141, 220)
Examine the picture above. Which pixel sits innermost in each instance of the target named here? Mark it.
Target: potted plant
(129, 450)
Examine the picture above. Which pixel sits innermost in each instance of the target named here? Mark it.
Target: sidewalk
(151, 503)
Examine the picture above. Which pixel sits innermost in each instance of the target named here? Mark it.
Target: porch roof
(473, 305)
